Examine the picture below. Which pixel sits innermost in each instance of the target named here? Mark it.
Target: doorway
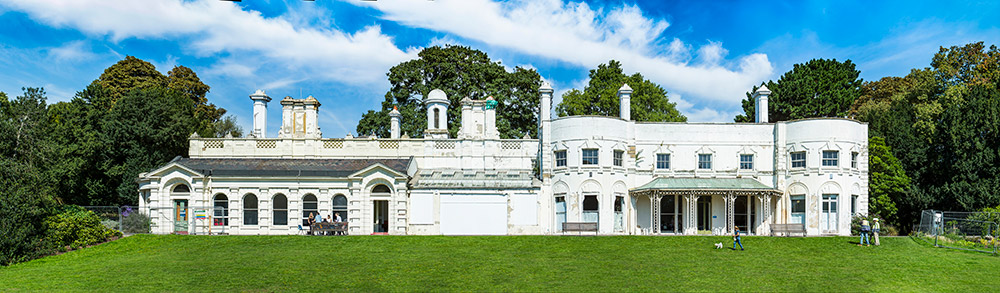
(180, 216)
(829, 215)
(560, 212)
(704, 213)
(380, 218)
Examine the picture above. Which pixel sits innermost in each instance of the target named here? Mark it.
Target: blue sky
(705, 53)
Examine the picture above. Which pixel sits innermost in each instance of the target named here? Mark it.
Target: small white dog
(718, 245)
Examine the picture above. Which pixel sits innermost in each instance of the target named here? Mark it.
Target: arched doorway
(181, 213)
(380, 208)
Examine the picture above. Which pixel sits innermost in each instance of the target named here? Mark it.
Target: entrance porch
(703, 206)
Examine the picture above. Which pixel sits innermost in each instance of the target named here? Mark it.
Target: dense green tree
(969, 151)
(888, 182)
(141, 141)
(186, 82)
(600, 97)
(818, 88)
(460, 72)
(25, 193)
(124, 76)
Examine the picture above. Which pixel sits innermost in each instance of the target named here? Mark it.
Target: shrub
(135, 222)
(76, 227)
(110, 224)
(885, 228)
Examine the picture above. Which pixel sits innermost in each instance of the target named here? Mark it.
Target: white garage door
(473, 214)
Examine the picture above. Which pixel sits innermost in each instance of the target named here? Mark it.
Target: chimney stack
(545, 110)
(394, 117)
(260, 100)
(625, 102)
(760, 104)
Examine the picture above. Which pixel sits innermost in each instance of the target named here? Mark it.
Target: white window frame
(794, 161)
(746, 165)
(596, 156)
(854, 160)
(663, 164)
(560, 162)
(705, 165)
(830, 161)
(618, 157)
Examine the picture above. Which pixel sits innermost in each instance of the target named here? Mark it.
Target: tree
(25, 192)
(138, 142)
(888, 183)
(227, 126)
(124, 76)
(818, 88)
(600, 97)
(186, 82)
(460, 72)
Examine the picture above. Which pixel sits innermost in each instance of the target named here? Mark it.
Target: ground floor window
(279, 210)
(310, 207)
(340, 207)
(798, 209)
(250, 209)
(221, 210)
(590, 208)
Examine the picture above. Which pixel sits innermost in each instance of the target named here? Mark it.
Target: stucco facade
(630, 177)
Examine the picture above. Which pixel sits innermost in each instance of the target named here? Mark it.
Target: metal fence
(976, 231)
(127, 219)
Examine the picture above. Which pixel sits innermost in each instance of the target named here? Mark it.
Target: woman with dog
(736, 238)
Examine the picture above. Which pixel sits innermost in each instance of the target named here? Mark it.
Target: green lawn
(512, 263)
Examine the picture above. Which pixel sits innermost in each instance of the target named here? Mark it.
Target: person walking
(736, 238)
(875, 230)
(864, 233)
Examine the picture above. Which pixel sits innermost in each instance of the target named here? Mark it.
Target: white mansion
(628, 177)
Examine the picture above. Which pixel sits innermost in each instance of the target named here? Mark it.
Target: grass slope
(513, 263)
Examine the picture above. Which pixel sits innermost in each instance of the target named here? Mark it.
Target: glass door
(560, 212)
(829, 215)
(380, 219)
(704, 213)
(619, 218)
(180, 216)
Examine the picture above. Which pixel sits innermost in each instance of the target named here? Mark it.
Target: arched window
(280, 210)
(437, 121)
(381, 188)
(181, 188)
(221, 210)
(309, 206)
(340, 206)
(249, 209)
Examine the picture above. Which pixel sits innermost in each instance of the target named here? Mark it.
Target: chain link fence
(976, 231)
(127, 219)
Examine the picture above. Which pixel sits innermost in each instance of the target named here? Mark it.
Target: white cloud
(577, 34)
(222, 27)
(72, 51)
